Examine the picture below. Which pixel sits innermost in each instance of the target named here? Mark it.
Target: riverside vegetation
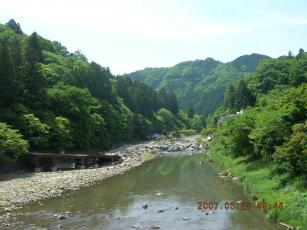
(266, 144)
(54, 100)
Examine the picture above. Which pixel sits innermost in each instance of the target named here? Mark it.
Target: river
(160, 194)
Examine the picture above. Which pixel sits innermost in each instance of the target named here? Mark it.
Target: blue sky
(129, 35)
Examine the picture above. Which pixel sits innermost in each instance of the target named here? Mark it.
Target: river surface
(170, 186)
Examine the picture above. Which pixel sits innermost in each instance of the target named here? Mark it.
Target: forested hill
(55, 100)
(201, 82)
(266, 143)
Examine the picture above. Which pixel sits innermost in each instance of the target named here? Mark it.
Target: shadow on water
(169, 186)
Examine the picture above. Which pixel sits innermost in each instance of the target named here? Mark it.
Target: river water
(170, 186)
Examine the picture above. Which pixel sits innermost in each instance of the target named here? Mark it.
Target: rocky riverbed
(18, 189)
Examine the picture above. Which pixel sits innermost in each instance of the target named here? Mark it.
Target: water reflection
(170, 186)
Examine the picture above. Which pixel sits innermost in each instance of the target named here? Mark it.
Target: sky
(129, 35)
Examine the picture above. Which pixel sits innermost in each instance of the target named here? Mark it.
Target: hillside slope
(55, 100)
(201, 83)
(266, 144)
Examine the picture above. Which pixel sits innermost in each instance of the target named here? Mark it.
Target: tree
(270, 131)
(14, 26)
(8, 84)
(197, 123)
(173, 103)
(300, 53)
(34, 50)
(101, 138)
(294, 152)
(242, 96)
(34, 92)
(141, 97)
(141, 127)
(229, 99)
(166, 119)
(162, 97)
(35, 131)
(290, 55)
(191, 112)
(19, 65)
(11, 142)
(124, 89)
(99, 84)
(60, 48)
(61, 134)
(74, 104)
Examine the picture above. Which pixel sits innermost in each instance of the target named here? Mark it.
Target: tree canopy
(52, 99)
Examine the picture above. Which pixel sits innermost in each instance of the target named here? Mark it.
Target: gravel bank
(17, 190)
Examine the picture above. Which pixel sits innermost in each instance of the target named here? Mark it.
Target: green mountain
(200, 83)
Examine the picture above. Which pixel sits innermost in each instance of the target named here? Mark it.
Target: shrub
(35, 131)
(294, 151)
(11, 142)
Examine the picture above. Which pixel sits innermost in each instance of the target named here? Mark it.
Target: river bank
(283, 197)
(160, 194)
(19, 189)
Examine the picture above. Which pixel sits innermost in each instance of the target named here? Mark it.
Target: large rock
(157, 136)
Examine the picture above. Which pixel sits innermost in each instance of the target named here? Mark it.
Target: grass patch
(265, 182)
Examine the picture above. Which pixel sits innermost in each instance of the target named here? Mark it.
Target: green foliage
(61, 134)
(232, 137)
(212, 120)
(262, 181)
(201, 82)
(142, 127)
(143, 100)
(168, 100)
(242, 96)
(14, 26)
(267, 130)
(73, 103)
(99, 84)
(188, 132)
(35, 131)
(207, 131)
(183, 120)
(100, 138)
(8, 86)
(248, 63)
(34, 88)
(197, 122)
(166, 120)
(191, 112)
(60, 49)
(294, 151)
(60, 101)
(11, 142)
(34, 50)
(272, 127)
(279, 72)
(229, 99)
(238, 97)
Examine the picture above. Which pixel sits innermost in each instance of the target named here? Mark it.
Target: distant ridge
(201, 83)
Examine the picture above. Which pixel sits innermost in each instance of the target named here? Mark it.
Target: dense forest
(55, 100)
(266, 143)
(201, 83)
